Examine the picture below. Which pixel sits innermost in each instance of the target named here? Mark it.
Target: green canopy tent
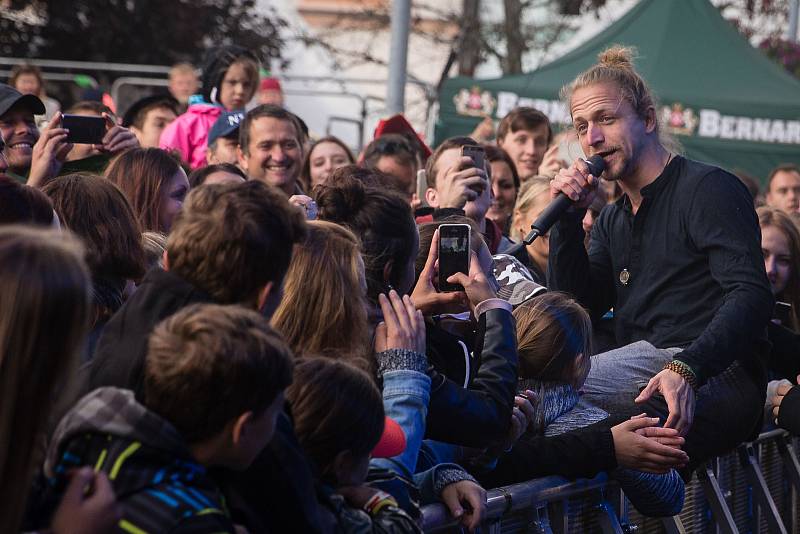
(725, 101)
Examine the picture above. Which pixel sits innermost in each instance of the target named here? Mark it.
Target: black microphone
(561, 203)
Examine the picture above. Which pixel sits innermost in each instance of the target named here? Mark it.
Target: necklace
(625, 274)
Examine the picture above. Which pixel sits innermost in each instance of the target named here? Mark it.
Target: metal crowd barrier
(753, 489)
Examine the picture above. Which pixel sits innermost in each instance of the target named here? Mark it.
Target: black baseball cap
(10, 97)
(165, 100)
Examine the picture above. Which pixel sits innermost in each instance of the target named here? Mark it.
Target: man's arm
(588, 277)
(722, 223)
(569, 263)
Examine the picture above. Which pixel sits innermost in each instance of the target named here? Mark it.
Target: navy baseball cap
(227, 124)
(9, 97)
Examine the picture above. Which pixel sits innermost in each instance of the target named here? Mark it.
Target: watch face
(624, 277)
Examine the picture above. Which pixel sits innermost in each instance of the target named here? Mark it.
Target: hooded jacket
(188, 134)
(158, 485)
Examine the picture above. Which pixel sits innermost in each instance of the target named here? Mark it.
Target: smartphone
(477, 154)
(783, 313)
(84, 130)
(454, 252)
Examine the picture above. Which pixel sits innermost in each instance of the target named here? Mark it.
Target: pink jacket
(188, 134)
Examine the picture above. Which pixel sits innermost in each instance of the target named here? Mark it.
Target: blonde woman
(533, 198)
(323, 310)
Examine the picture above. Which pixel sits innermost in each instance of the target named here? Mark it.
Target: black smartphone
(477, 153)
(453, 254)
(84, 130)
(783, 313)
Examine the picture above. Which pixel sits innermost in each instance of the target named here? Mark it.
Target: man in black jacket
(678, 260)
(230, 244)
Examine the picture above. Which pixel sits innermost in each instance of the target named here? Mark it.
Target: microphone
(561, 203)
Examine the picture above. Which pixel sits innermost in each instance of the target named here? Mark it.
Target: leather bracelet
(679, 367)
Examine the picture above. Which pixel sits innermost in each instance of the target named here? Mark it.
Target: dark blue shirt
(685, 271)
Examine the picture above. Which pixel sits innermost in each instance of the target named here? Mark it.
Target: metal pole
(794, 11)
(401, 20)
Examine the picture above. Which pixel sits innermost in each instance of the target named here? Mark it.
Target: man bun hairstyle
(616, 65)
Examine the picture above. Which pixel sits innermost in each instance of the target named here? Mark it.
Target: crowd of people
(212, 321)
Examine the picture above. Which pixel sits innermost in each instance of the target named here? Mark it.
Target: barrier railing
(752, 489)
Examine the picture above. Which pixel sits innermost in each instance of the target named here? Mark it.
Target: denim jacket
(406, 394)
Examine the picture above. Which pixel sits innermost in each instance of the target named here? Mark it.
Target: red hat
(397, 124)
(270, 83)
(392, 442)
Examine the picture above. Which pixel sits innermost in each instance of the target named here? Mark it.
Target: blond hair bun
(617, 56)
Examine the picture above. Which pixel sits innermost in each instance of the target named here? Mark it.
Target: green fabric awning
(724, 101)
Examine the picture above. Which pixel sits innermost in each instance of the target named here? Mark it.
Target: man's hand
(88, 505)
(403, 326)
(640, 444)
(461, 183)
(577, 183)
(49, 153)
(475, 284)
(465, 492)
(426, 298)
(679, 396)
(117, 139)
(551, 163)
(775, 400)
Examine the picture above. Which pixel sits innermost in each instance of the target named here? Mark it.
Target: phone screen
(84, 130)
(453, 254)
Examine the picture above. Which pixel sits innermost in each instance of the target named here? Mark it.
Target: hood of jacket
(116, 413)
(119, 358)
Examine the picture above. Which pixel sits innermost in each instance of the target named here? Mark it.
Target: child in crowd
(230, 79)
(213, 389)
(340, 423)
(554, 341)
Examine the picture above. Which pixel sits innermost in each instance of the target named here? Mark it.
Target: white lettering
(760, 130)
(709, 123)
(505, 102)
(777, 132)
(726, 127)
(744, 128)
(525, 102)
(793, 132)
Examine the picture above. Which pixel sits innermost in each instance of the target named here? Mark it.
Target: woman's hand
(403, 326)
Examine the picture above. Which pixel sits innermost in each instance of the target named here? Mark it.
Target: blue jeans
(728, 407)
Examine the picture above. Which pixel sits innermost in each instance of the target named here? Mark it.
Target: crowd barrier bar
(744, 502)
